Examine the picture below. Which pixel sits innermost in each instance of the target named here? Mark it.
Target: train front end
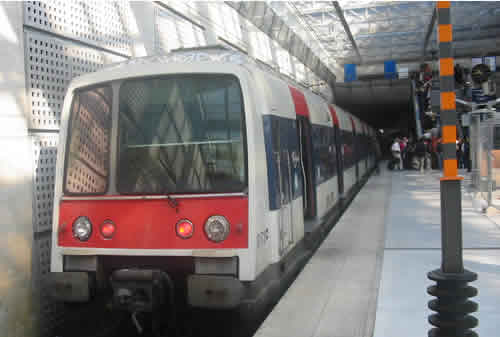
(153, 199)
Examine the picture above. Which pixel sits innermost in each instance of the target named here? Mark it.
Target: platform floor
(369, 276)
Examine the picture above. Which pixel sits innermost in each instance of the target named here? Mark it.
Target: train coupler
(145, 291)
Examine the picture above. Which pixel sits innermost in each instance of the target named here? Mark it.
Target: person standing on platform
(396, 154)
(421, 153)
(439, 154)
(404, 149)
(378, 155)
(466, 155)
(428, 152)
(460, 161)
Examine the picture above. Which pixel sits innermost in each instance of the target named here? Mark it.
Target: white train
(198, 170)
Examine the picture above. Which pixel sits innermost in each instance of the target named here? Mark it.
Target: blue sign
(390, 69)
(349, 72)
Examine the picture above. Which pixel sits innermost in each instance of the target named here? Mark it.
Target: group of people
(426, 153)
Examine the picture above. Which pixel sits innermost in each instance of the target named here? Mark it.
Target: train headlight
(82, 228)
(217, 228)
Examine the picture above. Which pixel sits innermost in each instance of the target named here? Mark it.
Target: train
(196, 175)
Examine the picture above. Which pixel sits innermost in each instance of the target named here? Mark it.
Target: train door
(340, 163)
(355, 149)
(338, 150)
(304, 133)
(366, 152)
(281, 152)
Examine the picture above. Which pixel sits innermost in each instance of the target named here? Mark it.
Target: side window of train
(496, 138)
(277, 158)
(324, 152)
(294, 153)
(348, 142)
(287, 182)
(87, 159)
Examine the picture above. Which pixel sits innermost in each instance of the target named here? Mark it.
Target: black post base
(452, 304)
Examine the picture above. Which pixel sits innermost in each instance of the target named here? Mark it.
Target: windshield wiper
(172, 202)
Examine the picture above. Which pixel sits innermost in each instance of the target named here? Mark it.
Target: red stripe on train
(334, 115)
(150, 224)
(299, 100)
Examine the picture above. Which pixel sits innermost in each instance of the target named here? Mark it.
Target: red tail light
(108, 229)
(184, 229)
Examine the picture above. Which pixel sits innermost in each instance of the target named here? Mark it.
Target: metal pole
(488, 148)
(474, 135)
(477, 165)
(430, 28)
(452, 304)
(451, 224)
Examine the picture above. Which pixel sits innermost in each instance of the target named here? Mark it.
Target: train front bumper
(214, 291)
(69, 286)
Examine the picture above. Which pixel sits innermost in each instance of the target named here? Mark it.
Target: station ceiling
(367, 32)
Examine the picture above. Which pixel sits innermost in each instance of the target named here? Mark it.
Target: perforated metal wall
(100, 23)
(48, 72)
(45, 153)
(52, 312)
(50, 65)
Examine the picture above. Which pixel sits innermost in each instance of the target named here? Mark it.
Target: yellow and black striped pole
(447, 81)
(452, 306)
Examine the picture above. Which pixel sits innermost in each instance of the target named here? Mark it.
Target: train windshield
(181, 134)
(88, 147)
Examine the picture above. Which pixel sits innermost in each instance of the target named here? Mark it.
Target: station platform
(369, 276)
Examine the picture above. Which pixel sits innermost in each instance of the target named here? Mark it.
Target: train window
(324, 151)
(348, 148)
(87, 160)
(496, 138)
(181, 134)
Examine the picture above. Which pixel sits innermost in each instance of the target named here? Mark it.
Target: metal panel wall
(45, 153)
(50, 65)
(101, 23)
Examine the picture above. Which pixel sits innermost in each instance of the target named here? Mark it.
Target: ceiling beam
(340, 15)
(458, 53)
(374, 5)
(430, 28)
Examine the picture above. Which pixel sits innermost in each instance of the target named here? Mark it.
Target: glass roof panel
(397, 29)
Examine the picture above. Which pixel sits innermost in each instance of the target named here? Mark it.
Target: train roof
(210, 54)
(189, 55)
(134, 66)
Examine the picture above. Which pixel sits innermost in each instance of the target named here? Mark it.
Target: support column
(452, 292)
(17, 296)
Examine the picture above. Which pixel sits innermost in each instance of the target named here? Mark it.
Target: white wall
(16, 185)
(44, 45)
